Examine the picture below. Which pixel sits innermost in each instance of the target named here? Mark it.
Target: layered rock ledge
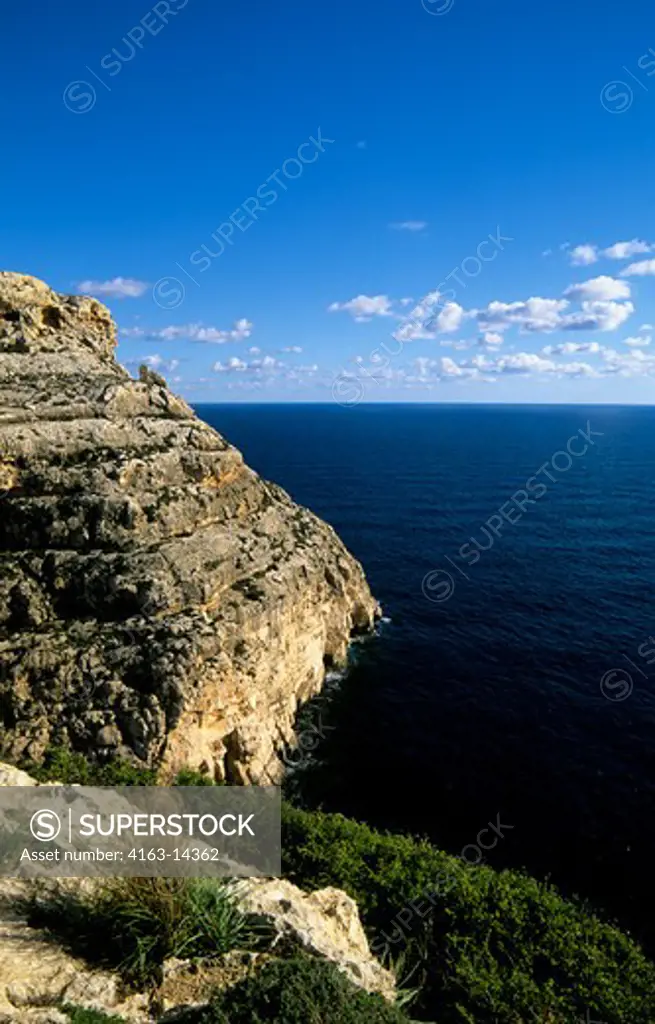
(158, 599)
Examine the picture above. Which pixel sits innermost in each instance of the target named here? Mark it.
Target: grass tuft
(134, 924)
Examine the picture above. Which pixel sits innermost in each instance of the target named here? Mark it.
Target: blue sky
(335, 160)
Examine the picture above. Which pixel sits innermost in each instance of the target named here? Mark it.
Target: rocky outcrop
(10, 776)
(324, 923)
(37, 975)
(158, 599)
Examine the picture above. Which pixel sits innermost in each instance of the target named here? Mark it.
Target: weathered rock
(157, 598)
(36, 975)
(325, 923)
(10, 776)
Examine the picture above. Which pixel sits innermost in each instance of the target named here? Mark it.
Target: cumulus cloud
(258, 366)
(449, 319)
(241, 330)
(569, 348)
(363, 307)
(599, 288)
(490, 340)
(291, 348)
(409, 225)
(640, 342)
(597, 316)
(542, 316)
(634, 363)
(535, 314)
(116, 288)
(484, 368)
(641, 268)
(624, 250)
(583, 255)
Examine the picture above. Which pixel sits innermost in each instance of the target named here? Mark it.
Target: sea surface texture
(513, 551)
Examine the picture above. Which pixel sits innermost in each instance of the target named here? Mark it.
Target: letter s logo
(45, 826)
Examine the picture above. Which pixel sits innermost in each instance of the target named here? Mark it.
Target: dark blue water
(488, 700)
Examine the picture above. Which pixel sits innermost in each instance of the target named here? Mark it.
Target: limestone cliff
(158, 599)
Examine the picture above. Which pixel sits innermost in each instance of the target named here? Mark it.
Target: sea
(512, 678)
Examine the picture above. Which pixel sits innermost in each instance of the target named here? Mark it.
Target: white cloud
(449, 368)
(536, 314)
(640, 342)
(522, 362)
(624, 250)
(480, 367)
(409, 225)
(449, 319)
(491, 338)
(363, 307)
(197, 332)
(407, 301)
(291, 348)
(233, 365)
(157, 362)
(634, 363)
(117, 288)
(598, 316)
(569, 348)
(639, 269)
(413, 331)
(647, 327)
(263, 367)
(583, 255)
(423, 325)
(599, 288)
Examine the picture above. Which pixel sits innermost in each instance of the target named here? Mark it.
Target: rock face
(325, 923)
(158, 599)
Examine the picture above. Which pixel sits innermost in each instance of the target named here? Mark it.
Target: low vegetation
(300, 990)
(482, 946)
(78, 1015)
(476, 946)
(61, 764)
(134, 924)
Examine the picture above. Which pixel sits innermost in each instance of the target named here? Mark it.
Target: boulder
(325, 923)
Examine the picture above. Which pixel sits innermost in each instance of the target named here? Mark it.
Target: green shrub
(61, 764)
(300, 990)
(136, 923)
(78, 1015)
(484, 947)
(191, 777)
